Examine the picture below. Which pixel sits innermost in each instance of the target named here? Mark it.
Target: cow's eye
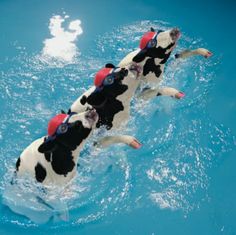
(109, 80)
(62, 129)
(152, 43)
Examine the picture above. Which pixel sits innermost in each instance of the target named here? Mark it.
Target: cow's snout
(175, 34)
(92, 115)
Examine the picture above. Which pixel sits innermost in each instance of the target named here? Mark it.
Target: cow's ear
(62, 111)
(152, 29)
(140, 56)
(109, 65)
(47, 146)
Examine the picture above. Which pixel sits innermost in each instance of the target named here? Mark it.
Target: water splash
(62, 44)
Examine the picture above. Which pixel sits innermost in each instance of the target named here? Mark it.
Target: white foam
(62, 45)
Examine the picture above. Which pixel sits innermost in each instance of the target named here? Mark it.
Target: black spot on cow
(59, 150)
(17, 164)
(40, 173)
(140, 56)
(105, 101)
(107, 112)
(156, 52)
(150, 66)
(166, 58)
(83, 100)
(48, 156)
(62, 161)
(153, 53)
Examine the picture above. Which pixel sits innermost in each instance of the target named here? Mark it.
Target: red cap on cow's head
(55, 122)
(101, 75)
(145, 39)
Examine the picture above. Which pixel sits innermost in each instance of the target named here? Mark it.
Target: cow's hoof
(208, 54)
(179, 95)
(135, 144)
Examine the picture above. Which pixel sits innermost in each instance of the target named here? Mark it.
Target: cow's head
(108, 83)
(157, 44)
(68, 131)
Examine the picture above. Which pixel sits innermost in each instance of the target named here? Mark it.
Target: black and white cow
(154, 50)
(146, 64)
(111, 97)
(112, 100)
(53, 159)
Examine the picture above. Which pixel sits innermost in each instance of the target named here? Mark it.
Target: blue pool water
(182, 181)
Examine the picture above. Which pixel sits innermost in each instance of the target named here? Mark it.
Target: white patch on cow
(62, 44)
(164, 39)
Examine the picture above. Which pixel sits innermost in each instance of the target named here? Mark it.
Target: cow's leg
(118, 139)
(199, 51)
(150, 93)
